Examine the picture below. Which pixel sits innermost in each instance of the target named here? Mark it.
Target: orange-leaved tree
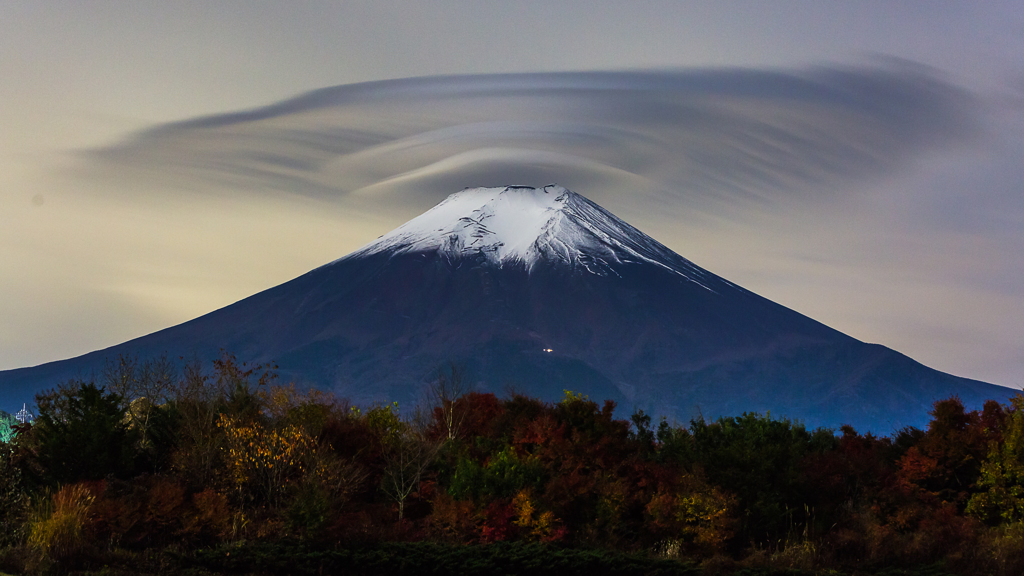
(262, 460)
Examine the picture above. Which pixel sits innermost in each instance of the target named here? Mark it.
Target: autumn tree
(406, 451)
(263, 459)
(1001, 495)
(200, 398)
(692, 516)
(198, 401)
(945, 464)
(583, 464)
(320, 481)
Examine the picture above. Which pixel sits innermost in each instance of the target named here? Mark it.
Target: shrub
(452, 520)
(145, 512)
(695, 517)
(57, 529)
(208, 520)
(534, 524)
(1001, 551)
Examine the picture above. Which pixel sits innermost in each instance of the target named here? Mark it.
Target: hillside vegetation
(215, 469)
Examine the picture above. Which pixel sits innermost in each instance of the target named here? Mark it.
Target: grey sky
(858, 162)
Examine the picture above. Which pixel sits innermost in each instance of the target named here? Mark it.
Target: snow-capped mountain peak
(500, 223)
(544, 289)
(520, 225)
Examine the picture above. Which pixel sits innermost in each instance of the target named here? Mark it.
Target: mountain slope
(542, 290)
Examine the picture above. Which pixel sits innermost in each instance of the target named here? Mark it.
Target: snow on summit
(502, 223)
(523, 225)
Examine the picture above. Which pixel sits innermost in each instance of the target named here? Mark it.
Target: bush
(1000, 552)
(57, 529)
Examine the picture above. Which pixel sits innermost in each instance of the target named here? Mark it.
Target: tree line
(152, 457)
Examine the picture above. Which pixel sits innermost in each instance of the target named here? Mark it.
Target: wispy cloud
(706, 135)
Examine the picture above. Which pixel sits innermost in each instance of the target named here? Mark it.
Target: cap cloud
(706, 136)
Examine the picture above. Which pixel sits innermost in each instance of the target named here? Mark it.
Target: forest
(160, 467)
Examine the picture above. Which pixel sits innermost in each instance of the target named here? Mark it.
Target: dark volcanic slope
(494, 278)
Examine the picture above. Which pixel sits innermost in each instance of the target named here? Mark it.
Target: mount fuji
(538, 290)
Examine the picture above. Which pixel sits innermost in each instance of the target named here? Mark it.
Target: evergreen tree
(85, 437)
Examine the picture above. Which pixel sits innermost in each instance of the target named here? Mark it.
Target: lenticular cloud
(707, 134)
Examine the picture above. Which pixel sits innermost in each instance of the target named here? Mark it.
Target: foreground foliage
(221, 470)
